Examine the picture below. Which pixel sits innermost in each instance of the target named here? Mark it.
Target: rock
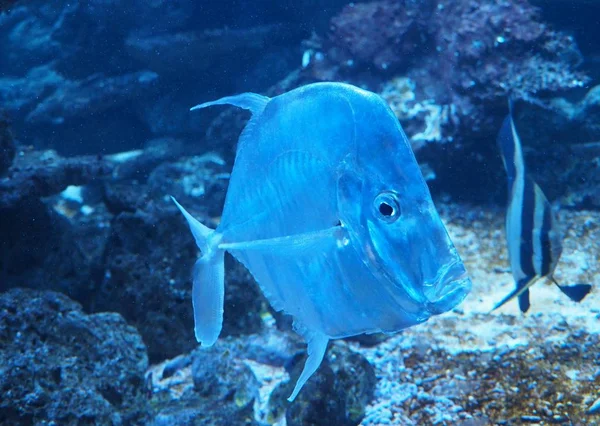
(97, 93)
(139, 164)
(44, 250)
(37, 174)
(41, 245)
(62, 366)
(338, 393)
(221, 376)
(5, 5)
(218, 388)
(381, 33)
(7, 145)
(197, 182)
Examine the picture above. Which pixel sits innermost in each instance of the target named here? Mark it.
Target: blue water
(96, 317)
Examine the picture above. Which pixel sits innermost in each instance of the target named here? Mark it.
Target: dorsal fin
(510, 148)
(253, 102)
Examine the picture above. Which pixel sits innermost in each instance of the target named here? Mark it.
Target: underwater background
(96, 323)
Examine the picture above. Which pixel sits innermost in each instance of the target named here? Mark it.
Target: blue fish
(328, 210)
(534, 241)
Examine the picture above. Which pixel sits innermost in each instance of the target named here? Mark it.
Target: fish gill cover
(95, 261)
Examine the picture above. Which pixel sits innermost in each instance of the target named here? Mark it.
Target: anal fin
(522, 287)
(524, 301)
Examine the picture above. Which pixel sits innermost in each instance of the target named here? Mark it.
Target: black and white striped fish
(534, 243)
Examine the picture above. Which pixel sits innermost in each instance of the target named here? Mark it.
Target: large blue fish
(534, 241)
(329, 211)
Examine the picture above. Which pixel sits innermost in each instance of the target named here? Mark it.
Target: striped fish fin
(524, 301)
(509, 144)
(575, 292)
(546, 241)
(521, 288)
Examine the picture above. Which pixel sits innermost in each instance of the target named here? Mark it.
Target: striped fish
(534, 243)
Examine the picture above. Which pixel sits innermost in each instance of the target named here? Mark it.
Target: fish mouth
(448, 288)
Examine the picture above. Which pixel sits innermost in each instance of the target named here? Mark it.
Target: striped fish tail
(575, 292)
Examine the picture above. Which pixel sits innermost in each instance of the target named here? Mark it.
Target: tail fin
(208, 281)
(250, 101)
(576, 292)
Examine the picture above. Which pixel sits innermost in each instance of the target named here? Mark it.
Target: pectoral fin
(293, 245)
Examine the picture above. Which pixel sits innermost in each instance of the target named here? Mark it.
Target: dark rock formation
(7, 145)
(115, 76)
(5, 5)
(60, 365)
(37, 174)
(218, 389)
(40, 247)
(387, 35)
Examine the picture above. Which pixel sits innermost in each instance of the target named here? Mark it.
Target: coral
(59, 365)
(425, 121)
(210, 386)
(384, 34)
(492, 49)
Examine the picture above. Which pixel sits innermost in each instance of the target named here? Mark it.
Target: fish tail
(253, 102)
(208, 281)
(575, 292)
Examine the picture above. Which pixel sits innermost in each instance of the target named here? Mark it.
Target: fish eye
(387, 207)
